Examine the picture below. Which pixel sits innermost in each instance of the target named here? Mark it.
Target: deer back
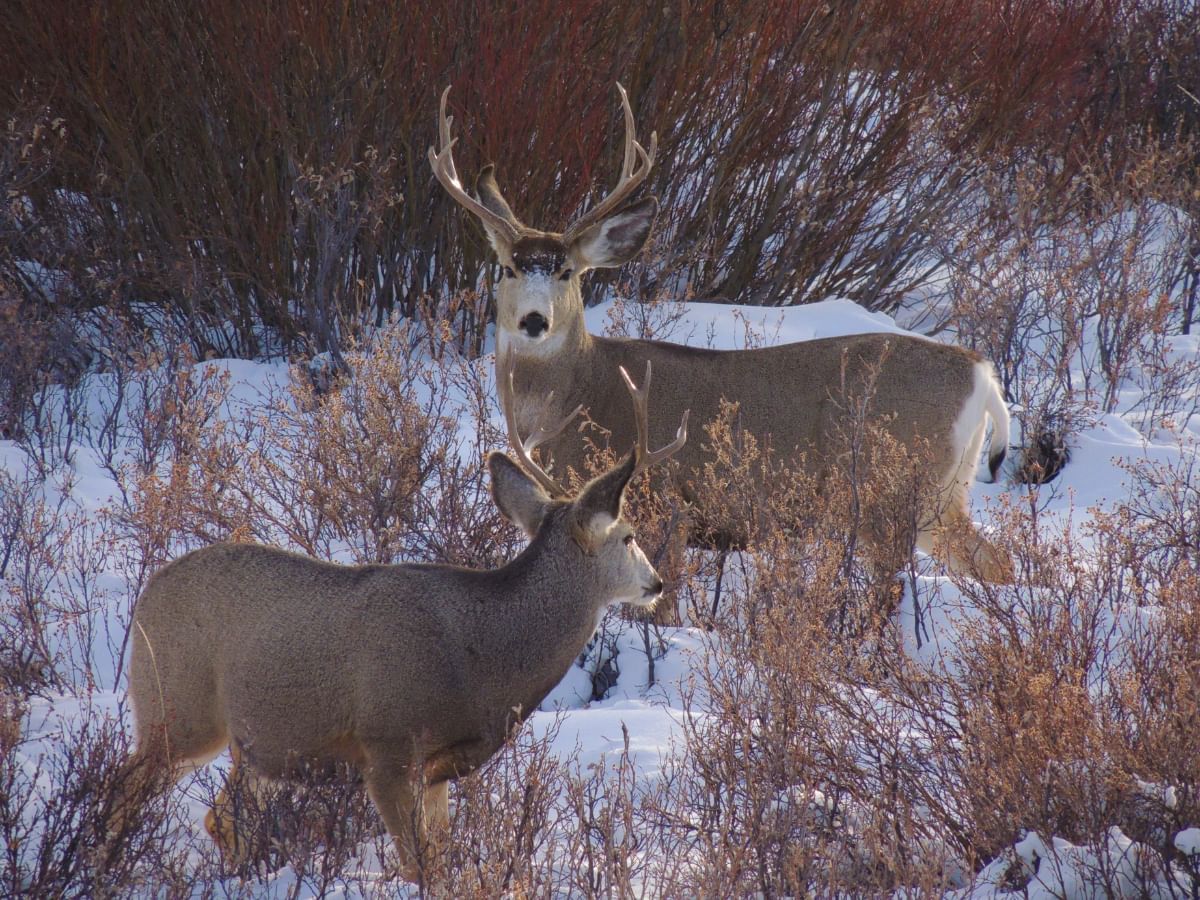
(792, 396)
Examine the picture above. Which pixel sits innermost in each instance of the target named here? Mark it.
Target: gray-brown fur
(405, 671)
(788, 395)
(791, 396)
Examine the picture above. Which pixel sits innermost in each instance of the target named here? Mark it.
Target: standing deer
(407, 672)
(927, 393)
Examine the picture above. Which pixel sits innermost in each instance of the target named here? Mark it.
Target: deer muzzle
(534, 324)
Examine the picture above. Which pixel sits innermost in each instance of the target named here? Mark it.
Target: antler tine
(629, 156)
(641, 396)
(444, 124)
(442, 161)
(542, 431)
(630, 177)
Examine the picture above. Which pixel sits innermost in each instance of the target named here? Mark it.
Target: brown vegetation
(816, 756)
(259, 177)
(216, 183)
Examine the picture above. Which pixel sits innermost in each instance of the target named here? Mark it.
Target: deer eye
(565, 276)
(509, 273)
(627, 540)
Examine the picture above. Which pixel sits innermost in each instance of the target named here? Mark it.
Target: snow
(650, 716)
(1187, 842)
(1060, 870)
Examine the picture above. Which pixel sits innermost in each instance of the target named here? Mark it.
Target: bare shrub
(867, 500)
(820, 759)
(54, 818)
(1072, 294)
(261, 181)
(792, 782)
(155, 401)
(1153, 534)
(617, 843)
(1058, 706)
(780, 791)
(42, 404)
(37, 525)
(157, 410)
(317, 827)
(1153, 60)
(657, 318)
(504, 834)
(373, 469)
(530, 823)
(28, 145)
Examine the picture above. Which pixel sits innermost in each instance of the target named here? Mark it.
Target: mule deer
(926, 392)
(407, 672)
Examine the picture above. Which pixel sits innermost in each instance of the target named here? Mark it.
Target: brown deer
(409, 673)
(929, 394)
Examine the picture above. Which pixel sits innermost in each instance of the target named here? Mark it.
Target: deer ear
(488, 193)
(599, 503)
(519, 497)
(615, 240)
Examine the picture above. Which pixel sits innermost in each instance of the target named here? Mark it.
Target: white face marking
(632, 576)
(534, 292)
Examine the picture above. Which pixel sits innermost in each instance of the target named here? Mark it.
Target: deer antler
(442, 161)
(646, 458)
(629, 180)
(542, 431)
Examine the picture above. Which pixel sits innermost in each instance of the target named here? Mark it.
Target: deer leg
(150, 771)
(144, 775)
(392, 791)
(986, 561)
(234, 801)
(437, 806)
(722, 556)
(956, 542)
(226, 822)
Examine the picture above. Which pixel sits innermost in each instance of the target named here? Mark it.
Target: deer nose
(534, 324)
(655, 589)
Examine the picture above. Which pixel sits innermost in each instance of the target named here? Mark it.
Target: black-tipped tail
(995, 461)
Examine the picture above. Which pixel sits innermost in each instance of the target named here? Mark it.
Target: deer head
(538, 298)
(528, 496)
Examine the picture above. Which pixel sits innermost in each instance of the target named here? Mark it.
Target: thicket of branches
(260, 175)
(828, 746)
(218, 181)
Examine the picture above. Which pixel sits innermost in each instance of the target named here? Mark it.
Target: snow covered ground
(1096, 477)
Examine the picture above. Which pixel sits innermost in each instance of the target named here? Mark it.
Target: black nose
(656, 588)
(533, 324)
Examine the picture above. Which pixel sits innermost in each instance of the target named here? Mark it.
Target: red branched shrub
(232, 169)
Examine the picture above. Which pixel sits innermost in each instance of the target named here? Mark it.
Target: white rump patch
(971, 425)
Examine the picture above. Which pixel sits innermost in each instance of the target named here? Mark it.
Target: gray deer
(406, 672)
(929, 394)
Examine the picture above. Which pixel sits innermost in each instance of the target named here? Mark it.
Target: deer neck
(561, 363)
(550, 613)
